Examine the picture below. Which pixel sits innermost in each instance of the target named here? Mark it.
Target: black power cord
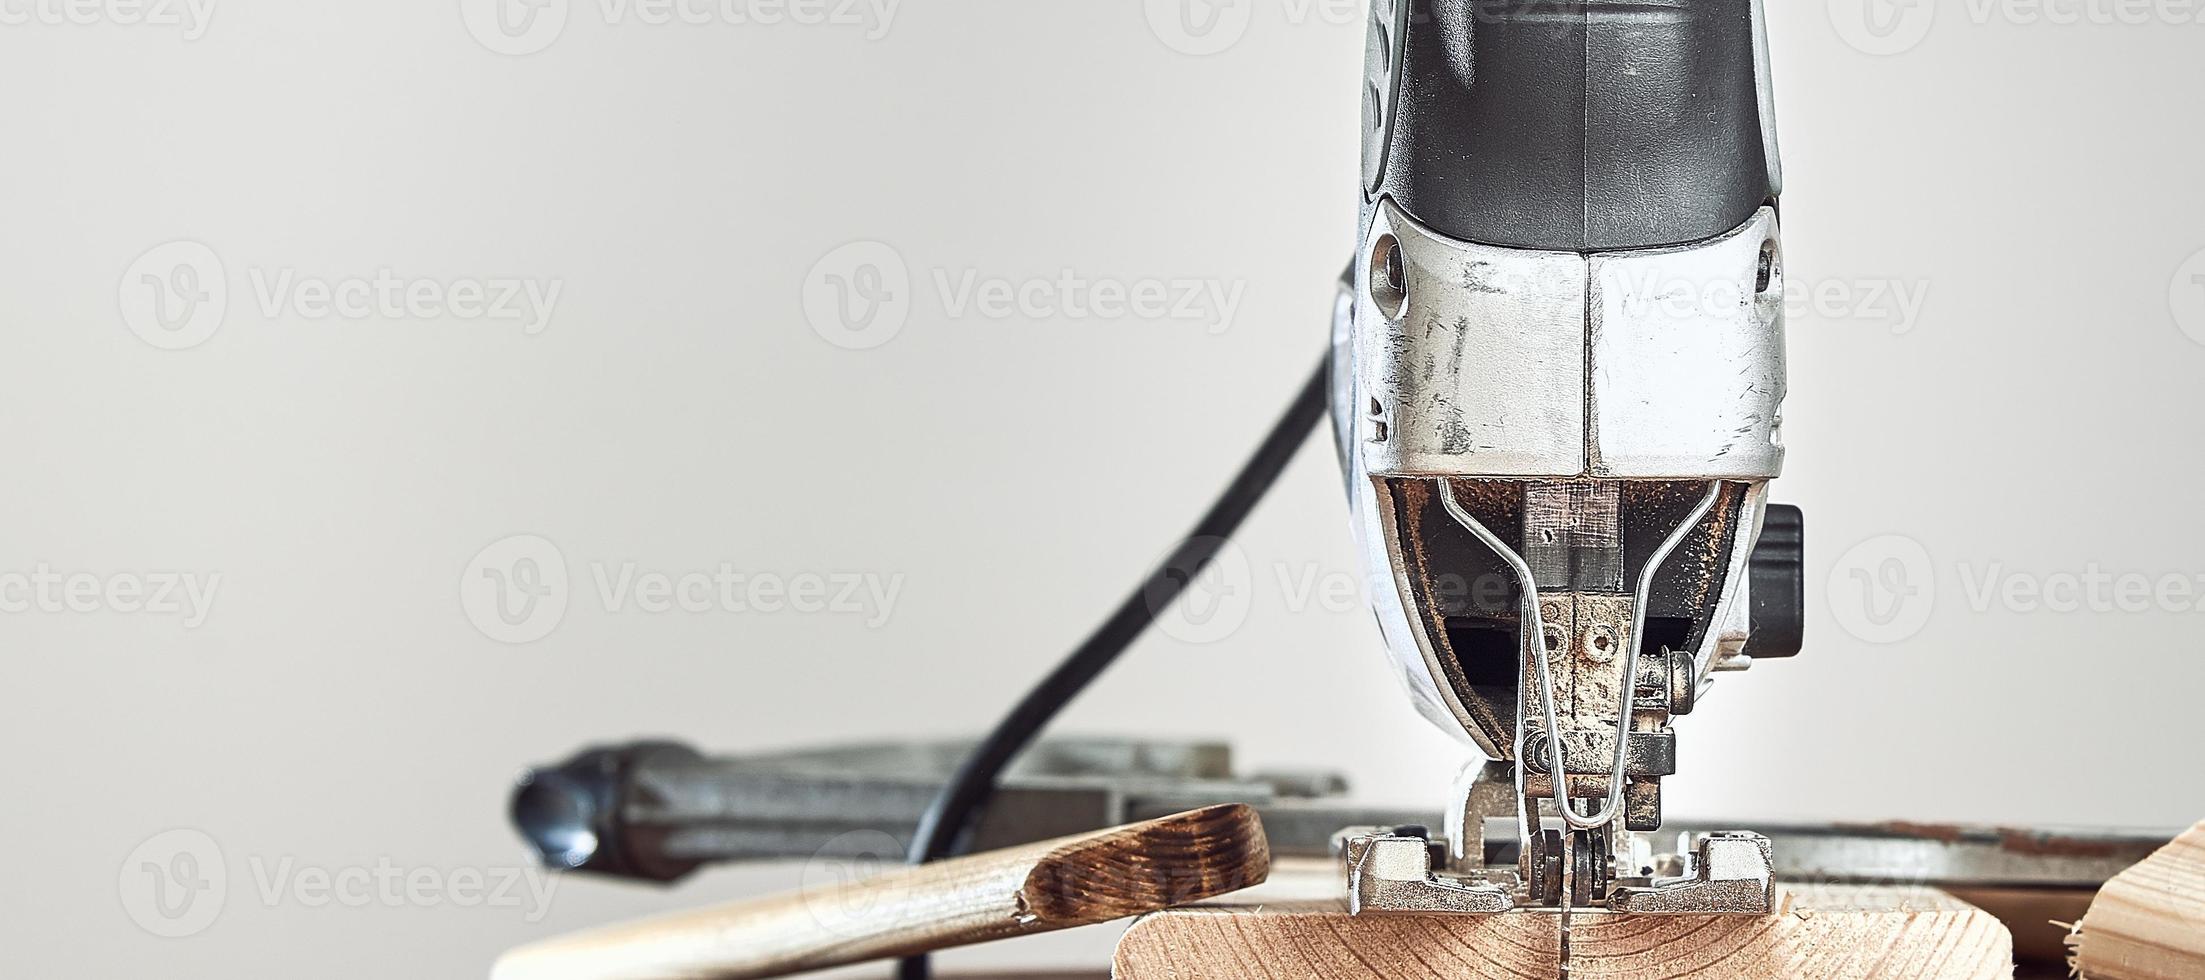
(944, 830)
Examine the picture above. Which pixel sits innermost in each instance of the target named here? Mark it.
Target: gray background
(2034, 183)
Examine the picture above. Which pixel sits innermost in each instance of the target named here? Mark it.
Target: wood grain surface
(2148, 923)
(1058, 884)
(1821, 933)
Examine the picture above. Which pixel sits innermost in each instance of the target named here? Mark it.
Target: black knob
(1777, 575)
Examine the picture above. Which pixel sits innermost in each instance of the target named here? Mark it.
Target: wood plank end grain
(1820, 933)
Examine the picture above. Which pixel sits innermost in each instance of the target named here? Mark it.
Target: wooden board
(2148, 923)
(1822, 933)
(1058, 884)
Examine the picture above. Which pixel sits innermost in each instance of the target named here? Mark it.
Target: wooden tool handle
(1073, 881)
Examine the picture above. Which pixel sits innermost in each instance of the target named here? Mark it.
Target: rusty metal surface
(2083, 845)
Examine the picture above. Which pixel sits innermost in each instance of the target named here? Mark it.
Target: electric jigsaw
(1558, 379)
